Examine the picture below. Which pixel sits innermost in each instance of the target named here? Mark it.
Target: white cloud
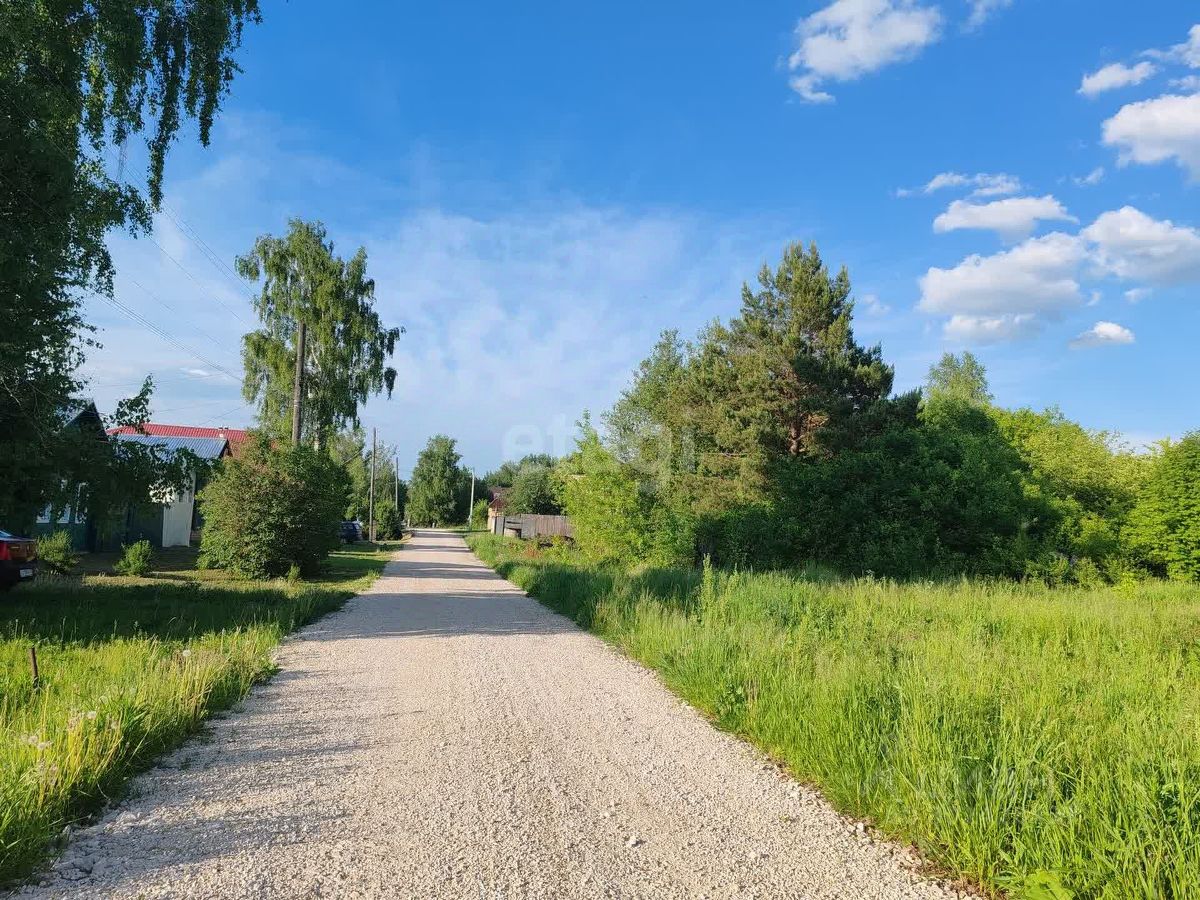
(852, 38)
(1117, 75)
(1137, 295)
(1036, 277)
(544, 307)
(1187, 53)
(1102, 334)
(1012, 217)
(1188, 83)
(982, 10)
(991, 329)
(982, 184)
(1164, 129)
(873, 306)
(1091, 179)
(1131, 245)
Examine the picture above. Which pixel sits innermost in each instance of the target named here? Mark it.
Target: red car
(18, 560)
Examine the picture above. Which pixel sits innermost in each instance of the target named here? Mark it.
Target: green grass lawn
(129, 667)
(1022, 737)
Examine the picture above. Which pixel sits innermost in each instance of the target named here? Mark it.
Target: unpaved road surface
(445, 736)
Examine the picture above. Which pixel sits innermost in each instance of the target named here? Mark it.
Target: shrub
(479, 515)
(1164, 527)
(135, 559)
(532, 491)
(272, 508)
(56, 553)
(389, 524)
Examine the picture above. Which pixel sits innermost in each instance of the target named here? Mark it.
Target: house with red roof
(235, 436)
(176, 519)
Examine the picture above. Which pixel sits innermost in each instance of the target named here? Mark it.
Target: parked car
(350, 532)
(18, 559)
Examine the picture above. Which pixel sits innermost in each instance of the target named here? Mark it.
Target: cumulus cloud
(1091, 179)
(1137, 295)
(1188, 83)
(1103, 334)
(982, 10)
(1131, 245)
(1164, 129)
(1117, 75)
(1035, 277)
(852, 38)
(1012, 217)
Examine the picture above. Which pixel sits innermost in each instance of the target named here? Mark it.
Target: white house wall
(177, 518)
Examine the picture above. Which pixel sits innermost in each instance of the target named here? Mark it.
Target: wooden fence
(531, 526)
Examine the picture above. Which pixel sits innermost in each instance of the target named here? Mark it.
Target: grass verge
(129, 667)
(1036, 741)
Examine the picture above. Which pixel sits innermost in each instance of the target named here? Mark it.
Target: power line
(187, 230)
(132, 314)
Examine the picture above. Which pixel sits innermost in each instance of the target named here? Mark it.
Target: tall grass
(1020, 736)
(128, 668)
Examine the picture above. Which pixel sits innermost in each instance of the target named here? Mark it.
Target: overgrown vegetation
(1019, 735)
(775, 439)
(129, 667)
(272, 508)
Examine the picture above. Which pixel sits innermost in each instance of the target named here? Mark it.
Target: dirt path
(445, 736)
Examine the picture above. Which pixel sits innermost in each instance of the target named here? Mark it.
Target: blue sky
(543, 187)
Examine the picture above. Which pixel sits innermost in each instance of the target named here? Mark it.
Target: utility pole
(298, 385)
(396, 482)
(471, 505)
(371, 501)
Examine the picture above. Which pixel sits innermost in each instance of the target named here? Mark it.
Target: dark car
(350, 532)
(18, 559)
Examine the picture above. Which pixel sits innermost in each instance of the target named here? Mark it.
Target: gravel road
(445, 736)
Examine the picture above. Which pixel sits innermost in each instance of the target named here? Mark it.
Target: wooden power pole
(371, 501)
(298, 386)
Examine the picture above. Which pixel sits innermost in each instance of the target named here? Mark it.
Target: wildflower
(185, 653)
(91, 715)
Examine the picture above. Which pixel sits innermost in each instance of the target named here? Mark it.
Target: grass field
(129, 667)
(1042, 742)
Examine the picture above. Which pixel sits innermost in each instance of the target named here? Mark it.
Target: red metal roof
(235, 436)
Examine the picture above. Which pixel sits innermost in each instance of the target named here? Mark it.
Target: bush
(532, 492)
(135, 559)
(56, 553)
(479, 515)
(1164, 527)
(272, 508)
(389, 524)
